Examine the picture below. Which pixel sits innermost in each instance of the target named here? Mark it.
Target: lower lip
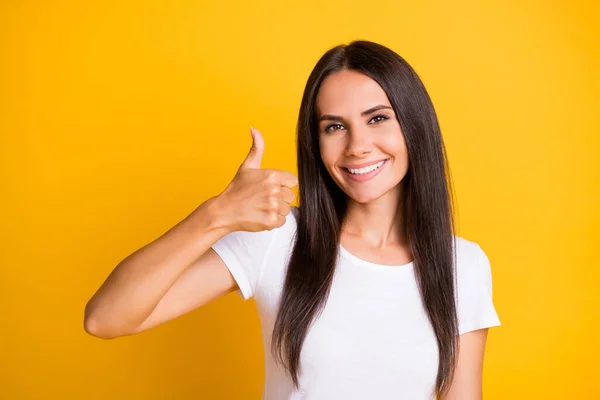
(367, 176)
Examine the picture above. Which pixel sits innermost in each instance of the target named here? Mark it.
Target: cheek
(328, 151)
(394, 143)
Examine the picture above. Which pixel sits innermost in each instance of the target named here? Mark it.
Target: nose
(358, 144)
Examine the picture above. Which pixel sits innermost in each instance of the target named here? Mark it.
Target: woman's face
(359, 129)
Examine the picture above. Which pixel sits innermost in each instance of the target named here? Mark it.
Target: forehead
(346, 92)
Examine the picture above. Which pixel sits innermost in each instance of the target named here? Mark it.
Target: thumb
(254, 157)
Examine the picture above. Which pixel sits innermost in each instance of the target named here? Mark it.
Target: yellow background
(118, 118)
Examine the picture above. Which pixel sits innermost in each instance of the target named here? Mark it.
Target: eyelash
(384, 117)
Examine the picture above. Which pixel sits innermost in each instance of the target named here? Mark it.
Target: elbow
(93, 326)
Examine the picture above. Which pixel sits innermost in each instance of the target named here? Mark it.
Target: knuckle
(271, 220)
(274, 190)
(271, 176)
(289, 194)
(293, 178)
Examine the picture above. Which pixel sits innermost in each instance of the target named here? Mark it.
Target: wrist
(216, 215)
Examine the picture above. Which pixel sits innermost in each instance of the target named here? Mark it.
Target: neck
(379, 221)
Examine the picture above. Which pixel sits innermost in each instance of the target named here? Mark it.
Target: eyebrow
(366, 112)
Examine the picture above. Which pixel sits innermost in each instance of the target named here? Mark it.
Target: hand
(258, 199)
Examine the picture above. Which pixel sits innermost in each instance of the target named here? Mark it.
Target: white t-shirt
(373, 339)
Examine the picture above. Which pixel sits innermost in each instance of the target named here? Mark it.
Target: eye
(334, 127)
(381, 117)
(328, 127)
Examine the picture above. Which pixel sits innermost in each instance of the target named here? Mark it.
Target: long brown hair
(427, 208)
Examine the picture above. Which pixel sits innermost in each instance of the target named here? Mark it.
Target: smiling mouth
(366, 170)
(366, 174)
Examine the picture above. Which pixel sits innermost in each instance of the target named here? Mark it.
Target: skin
(173, 275)
(372, 227)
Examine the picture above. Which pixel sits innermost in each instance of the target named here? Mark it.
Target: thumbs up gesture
(258, 199)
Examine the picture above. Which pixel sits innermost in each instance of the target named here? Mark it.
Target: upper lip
(362, 165)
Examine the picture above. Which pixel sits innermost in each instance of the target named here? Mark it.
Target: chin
(365, 198)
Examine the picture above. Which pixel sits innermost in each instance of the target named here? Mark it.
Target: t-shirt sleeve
(245, 253)
(475, 306)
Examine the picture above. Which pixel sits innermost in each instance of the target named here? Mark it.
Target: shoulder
(467, 251)
(469, 254)
(247, 253)
(473, 269)
(270, 240)
(472, 264)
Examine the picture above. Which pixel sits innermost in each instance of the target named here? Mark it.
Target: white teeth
(365, 170)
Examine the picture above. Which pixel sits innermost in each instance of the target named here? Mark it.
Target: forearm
(138, 283)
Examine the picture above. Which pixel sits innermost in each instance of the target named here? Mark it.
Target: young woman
(363, 291)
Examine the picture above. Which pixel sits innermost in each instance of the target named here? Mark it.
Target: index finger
(287, 179)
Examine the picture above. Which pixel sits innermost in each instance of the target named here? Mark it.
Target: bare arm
(179, 271)
(467, 381)
(136, 295)
(205, 280)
